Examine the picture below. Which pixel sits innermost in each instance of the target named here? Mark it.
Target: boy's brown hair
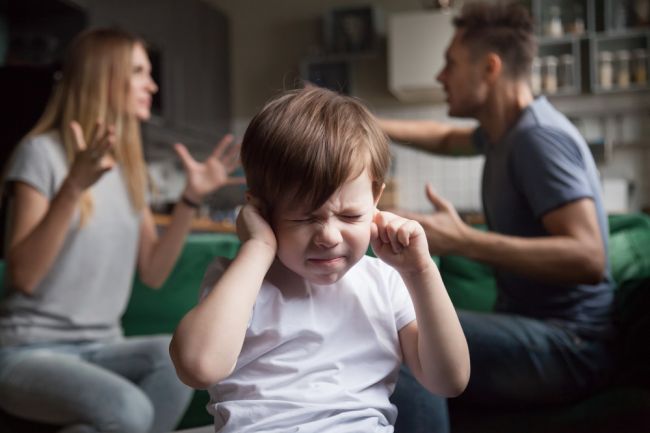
(307, 143)
(505, 28)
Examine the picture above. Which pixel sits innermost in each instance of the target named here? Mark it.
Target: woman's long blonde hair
(94, 87)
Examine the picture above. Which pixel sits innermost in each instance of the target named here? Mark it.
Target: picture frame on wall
(352, 30)
(333, 74)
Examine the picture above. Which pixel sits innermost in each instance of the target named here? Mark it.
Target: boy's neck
(290, 283)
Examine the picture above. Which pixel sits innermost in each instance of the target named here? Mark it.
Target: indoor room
(495, 223)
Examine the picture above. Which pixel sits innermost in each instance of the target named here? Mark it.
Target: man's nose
(440, 77)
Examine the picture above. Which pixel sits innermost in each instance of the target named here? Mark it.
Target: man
(546, 342)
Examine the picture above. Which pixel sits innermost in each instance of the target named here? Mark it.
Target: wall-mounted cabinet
(416, 53)
(591, 46)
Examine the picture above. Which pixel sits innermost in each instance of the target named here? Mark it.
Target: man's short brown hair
(503, 28)
(304, 144)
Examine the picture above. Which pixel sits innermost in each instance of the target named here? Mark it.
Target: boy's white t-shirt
(324, 359)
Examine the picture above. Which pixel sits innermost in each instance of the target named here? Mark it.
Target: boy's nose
(328, 236)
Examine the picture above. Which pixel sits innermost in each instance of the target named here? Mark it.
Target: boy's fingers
(374, 232)
(405, 232)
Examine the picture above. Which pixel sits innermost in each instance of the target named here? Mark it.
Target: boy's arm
(208, 340)
(433, 346)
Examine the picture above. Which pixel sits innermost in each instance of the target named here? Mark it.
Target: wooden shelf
(198, 224)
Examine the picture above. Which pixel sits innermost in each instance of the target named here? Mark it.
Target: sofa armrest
(153, 311)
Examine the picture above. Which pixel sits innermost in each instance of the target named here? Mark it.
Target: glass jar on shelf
(553, 25)
(549, 77)
(623, 69)
(565, 73)
(640, 66)
(576, 24)
(605, 70)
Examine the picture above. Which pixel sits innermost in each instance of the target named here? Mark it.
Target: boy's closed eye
(352, 217)
(310, 218)
(306, 219)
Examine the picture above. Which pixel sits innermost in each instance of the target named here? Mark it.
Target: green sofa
(623, 407)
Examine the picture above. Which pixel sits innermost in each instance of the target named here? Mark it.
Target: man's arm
(432, 137)
(572, 253)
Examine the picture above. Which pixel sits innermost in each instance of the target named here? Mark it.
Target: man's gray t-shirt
(540, 165)
(84, 294)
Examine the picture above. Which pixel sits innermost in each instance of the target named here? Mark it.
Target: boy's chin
(319, 278)
(324, 280)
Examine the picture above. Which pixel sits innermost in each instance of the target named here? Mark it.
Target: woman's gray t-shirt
(83, 296)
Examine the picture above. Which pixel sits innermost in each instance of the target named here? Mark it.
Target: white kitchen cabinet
(416, 53)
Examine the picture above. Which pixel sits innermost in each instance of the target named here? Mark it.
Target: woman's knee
(128, 410)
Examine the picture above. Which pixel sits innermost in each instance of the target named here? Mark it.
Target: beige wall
(270, 37)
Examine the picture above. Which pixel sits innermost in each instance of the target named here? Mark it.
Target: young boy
(302, 331)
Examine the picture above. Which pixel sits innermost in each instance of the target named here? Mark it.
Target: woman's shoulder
(40, 144)
(39, 156)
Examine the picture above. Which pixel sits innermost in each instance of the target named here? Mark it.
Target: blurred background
(218, 61)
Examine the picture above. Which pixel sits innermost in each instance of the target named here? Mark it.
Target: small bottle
(554, 24)
(565, 72)
(578, 23)
(640, 66)
(550, 75)
(536, 76)
(623, 69)
(605, 70)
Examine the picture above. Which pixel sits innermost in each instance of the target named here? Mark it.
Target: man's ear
(381, 190)
(493, 66)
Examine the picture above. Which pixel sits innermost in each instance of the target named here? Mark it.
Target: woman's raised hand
(213, 173)
(91, 160)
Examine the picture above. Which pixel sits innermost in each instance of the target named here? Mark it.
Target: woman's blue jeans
(516, 362)
(124, 386)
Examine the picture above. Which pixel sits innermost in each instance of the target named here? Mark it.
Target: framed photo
(331, 74)
(351, 30)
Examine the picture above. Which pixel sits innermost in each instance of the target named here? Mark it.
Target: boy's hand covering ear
(400, 242)
(252, 225)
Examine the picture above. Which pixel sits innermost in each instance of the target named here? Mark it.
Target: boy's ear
(381, 190)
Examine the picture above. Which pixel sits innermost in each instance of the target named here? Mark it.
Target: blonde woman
(79, 225)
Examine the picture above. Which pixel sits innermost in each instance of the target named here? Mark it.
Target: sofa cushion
(629, 246)
(153, 311)
(470, 284)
